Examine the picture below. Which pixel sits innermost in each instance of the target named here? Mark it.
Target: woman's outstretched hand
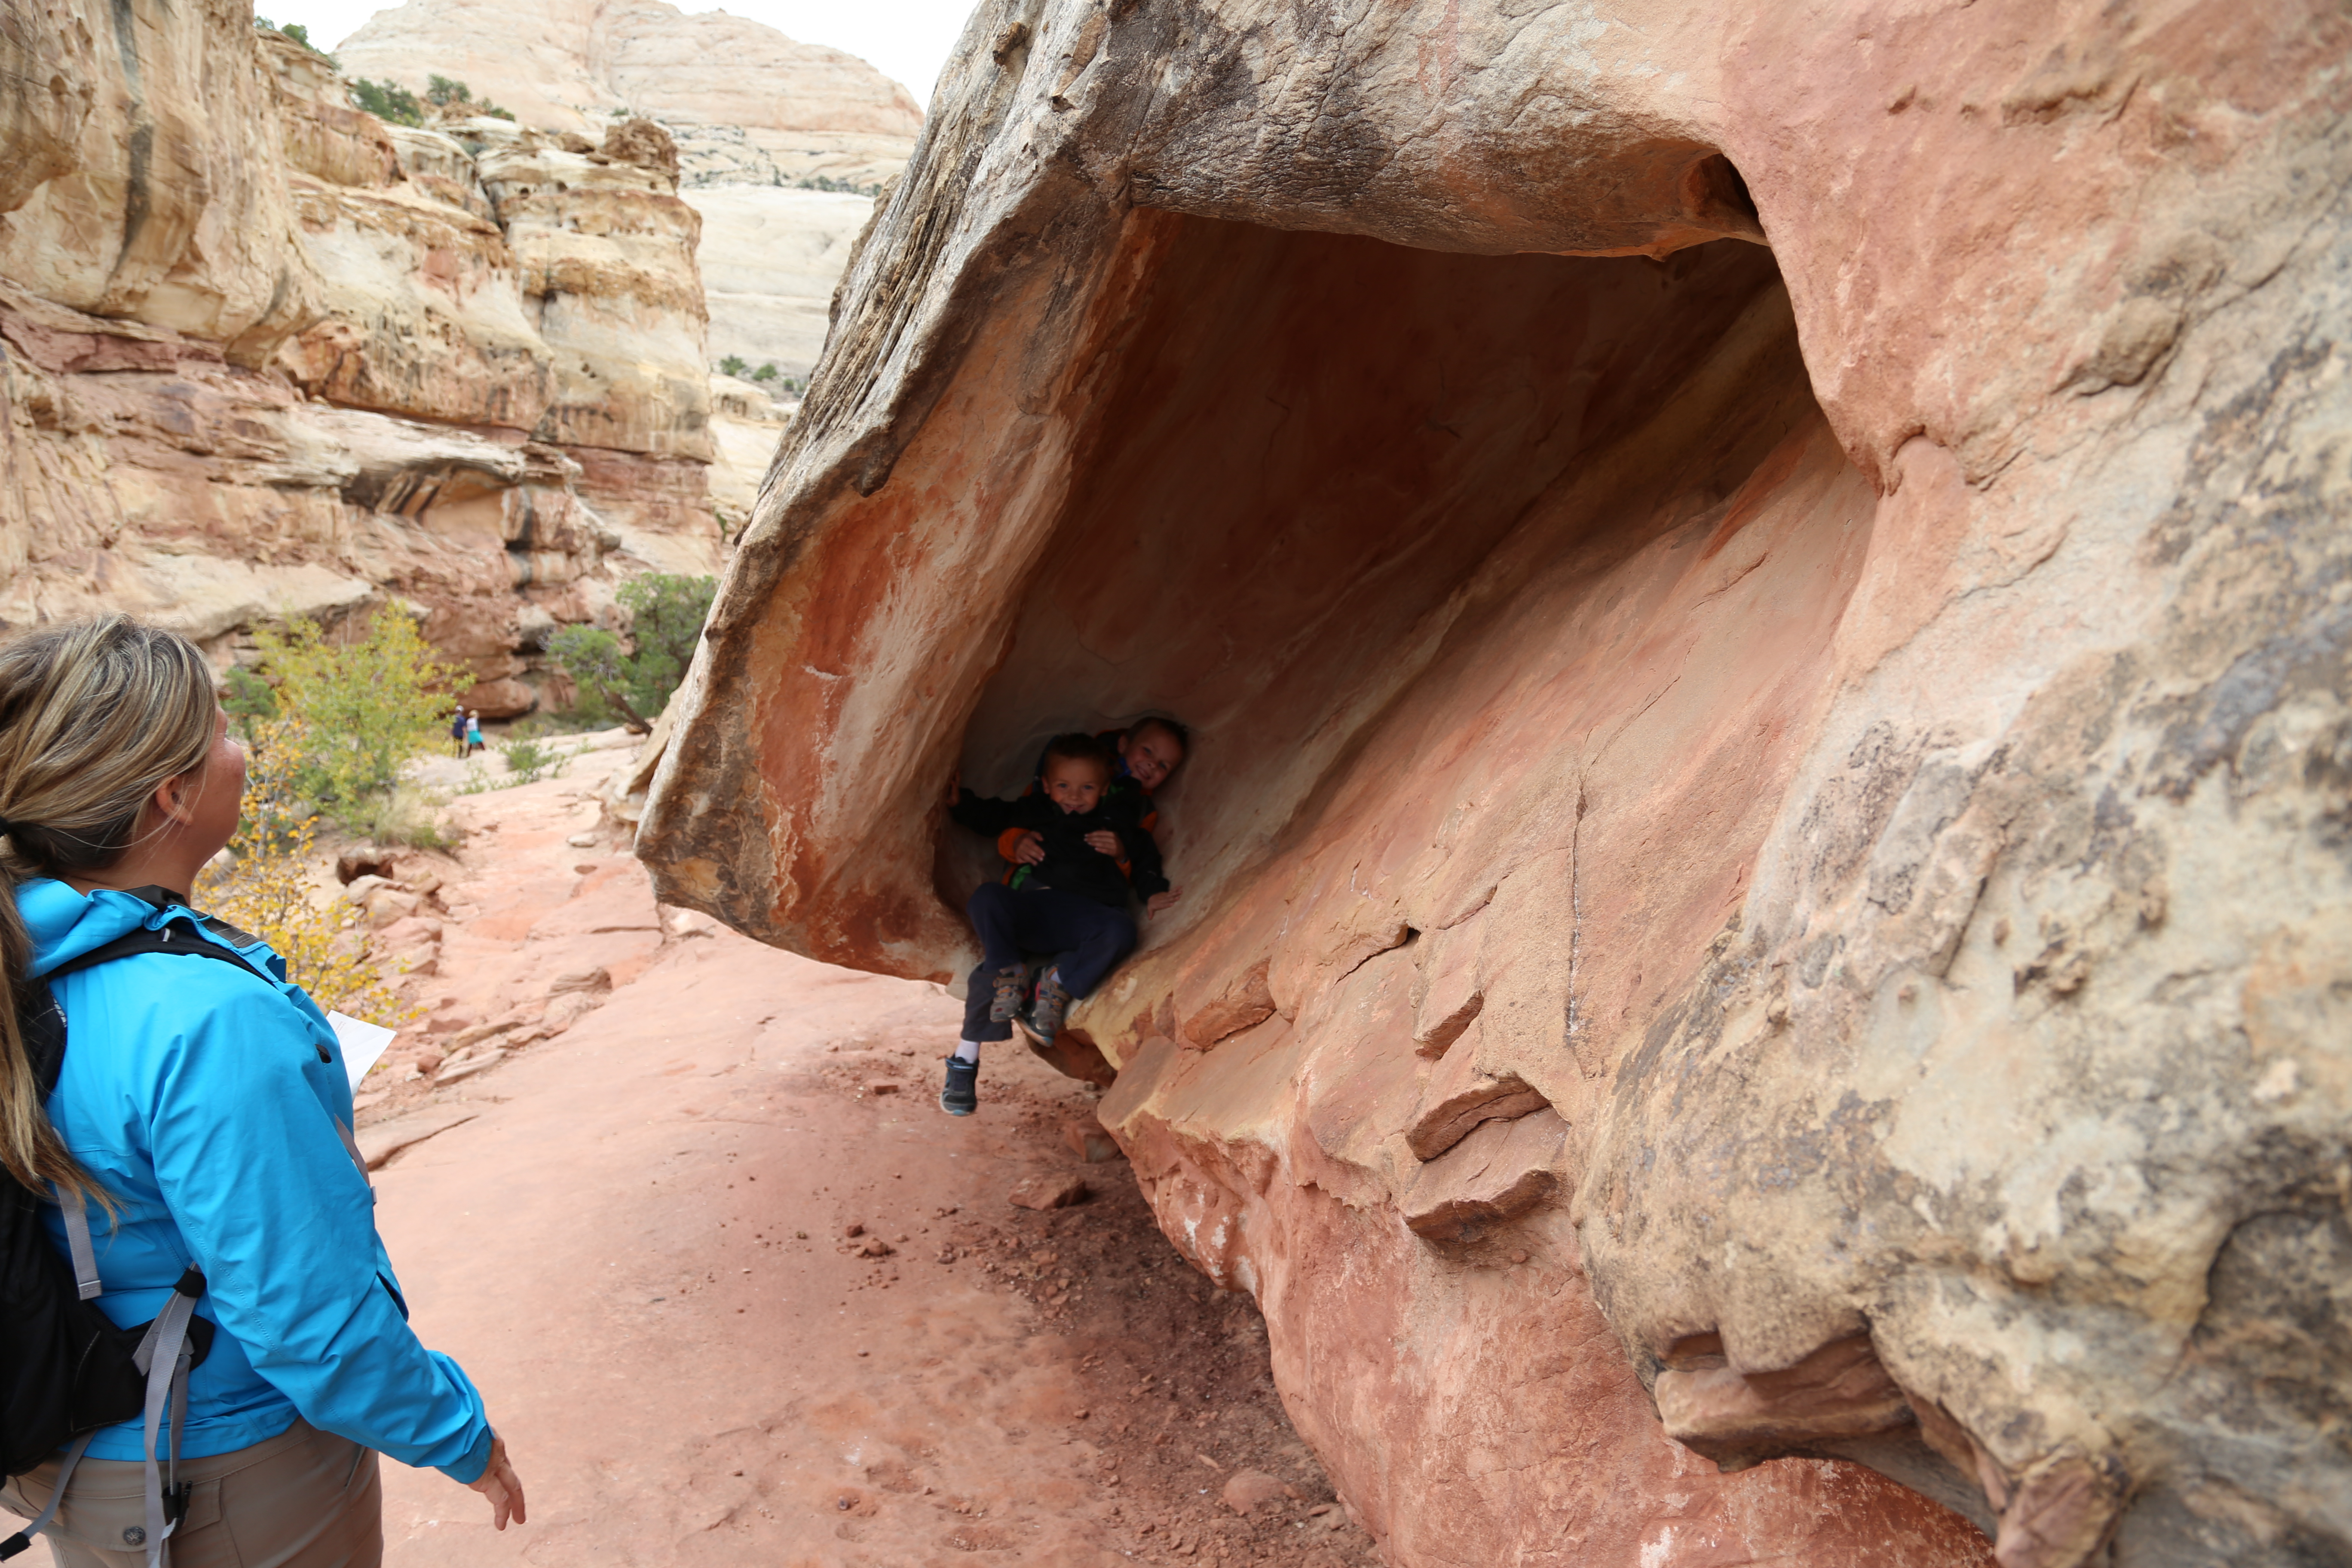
(500, 1483)
(1158, 901)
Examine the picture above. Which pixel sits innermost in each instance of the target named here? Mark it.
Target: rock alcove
(1310, 466)
(1680, 1014)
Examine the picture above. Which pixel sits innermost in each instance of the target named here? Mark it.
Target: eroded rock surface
(1848, 731)
(567, 66)
(779, 141)
(287, 360)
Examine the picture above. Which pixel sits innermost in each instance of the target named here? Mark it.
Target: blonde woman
(200, 1127)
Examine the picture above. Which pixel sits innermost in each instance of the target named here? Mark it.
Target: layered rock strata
(770, 260)
(1762, 966)
(756, 116)
(572, 65)
(271, 357)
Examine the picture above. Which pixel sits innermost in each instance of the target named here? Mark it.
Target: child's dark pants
(1086, 940)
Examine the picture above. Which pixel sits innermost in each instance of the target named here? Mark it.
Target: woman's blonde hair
(94, 717)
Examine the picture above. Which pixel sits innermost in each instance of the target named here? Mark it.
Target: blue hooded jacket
(208, 1102)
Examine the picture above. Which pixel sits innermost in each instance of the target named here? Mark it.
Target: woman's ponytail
(94, 717)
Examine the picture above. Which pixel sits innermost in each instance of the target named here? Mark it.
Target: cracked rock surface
(1767, 859)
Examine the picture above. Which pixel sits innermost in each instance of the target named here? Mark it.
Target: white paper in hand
(363, 1044)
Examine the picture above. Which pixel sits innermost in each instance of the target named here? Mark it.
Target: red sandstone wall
(1829, 796)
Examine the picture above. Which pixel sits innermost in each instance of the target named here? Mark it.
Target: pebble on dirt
(1050, 1192)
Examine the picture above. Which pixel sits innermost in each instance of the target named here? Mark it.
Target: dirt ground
(924, 1372)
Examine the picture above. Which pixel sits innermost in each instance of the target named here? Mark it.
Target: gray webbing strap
(186, 1359)
(84, 1255)
(352, 1146)
(57, 1493)
(159, 1356)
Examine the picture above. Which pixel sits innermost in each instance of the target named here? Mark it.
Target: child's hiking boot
(1012, 989)
(1045, 1019)
(961, 1095)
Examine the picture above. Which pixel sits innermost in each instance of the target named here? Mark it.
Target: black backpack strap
(179, 936)
(43, 1024)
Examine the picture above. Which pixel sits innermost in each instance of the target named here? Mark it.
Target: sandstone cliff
(757, 117)
(571, 65)
(273, 357)
(1764, 597)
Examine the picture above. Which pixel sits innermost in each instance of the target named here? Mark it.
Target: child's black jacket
(1070, 864)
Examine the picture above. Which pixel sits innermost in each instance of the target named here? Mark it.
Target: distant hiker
(1077, 852)
(473, 731)
(163, 1086)
(458, 733)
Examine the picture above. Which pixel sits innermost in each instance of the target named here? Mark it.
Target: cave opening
(1308, 463)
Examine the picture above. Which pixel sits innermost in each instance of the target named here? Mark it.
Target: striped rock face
(268, 356)
(1761, 972)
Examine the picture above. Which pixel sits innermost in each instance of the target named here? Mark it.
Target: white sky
(907, 40)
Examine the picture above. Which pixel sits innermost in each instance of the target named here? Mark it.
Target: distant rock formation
(572, 65)
(272, 357)
(770, 260)
(1764, 592)
(769, 132)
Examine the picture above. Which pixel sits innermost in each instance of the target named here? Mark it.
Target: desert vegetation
(666, 615)
(767, 375)
(396, 105)
(329, 724)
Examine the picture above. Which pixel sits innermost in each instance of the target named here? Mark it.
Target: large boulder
(1762, 591)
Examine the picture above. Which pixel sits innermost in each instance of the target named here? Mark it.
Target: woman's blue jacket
(211, 1104)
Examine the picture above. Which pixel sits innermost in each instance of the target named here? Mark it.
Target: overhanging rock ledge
(1765, 597)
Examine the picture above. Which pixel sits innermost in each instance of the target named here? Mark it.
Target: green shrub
(666, 614)
(592, 659)
(363, 708)
(766, 373)
(731, 365)
(448, 92)
(250, 703)
(407, 815)
(529, 760)
(294, 30)
(388, 101)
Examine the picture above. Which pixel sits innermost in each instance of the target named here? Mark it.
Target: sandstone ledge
(1865, 719)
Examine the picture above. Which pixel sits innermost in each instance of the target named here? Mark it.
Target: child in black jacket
(1077, 852)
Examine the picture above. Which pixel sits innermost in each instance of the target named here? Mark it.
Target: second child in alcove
(1082, 851)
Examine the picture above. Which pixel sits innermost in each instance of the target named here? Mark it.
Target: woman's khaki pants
(304, 1499)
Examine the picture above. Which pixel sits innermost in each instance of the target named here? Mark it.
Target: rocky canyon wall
(778, 139)
(1762, 972)
(272, 357)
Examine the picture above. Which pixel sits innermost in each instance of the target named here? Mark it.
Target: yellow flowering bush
(267, 886)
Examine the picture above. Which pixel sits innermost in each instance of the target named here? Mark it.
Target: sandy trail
(636, 1244)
